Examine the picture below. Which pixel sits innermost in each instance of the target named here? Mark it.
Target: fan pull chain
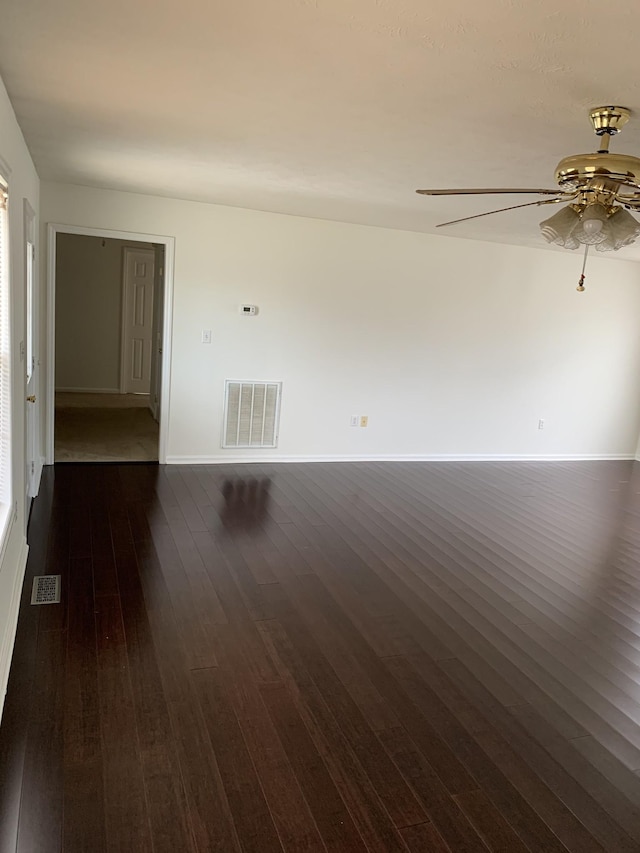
(580, 286)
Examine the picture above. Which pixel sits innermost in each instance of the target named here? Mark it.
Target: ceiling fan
(598, 187)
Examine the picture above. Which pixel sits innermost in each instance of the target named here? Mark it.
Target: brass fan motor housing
(601, 171)
(579, 170)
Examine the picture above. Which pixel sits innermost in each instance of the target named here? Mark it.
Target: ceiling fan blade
(486, 192)
(502, 209)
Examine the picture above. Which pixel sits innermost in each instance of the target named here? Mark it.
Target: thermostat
(248, 309)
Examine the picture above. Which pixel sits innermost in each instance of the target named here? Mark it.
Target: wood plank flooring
(329, 657)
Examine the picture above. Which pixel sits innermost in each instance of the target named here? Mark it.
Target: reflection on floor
(104, 428)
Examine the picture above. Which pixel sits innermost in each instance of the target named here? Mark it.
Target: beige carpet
(104, 428)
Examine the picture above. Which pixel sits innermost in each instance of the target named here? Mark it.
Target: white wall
(451, 347)
(23, 183)
(88, 312)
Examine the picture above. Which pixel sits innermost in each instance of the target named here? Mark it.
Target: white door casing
(137, 321)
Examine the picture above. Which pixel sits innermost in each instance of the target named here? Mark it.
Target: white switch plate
(355, 420)
(541, 423)
(206, 336)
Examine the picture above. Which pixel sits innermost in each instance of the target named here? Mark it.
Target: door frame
(53, 229)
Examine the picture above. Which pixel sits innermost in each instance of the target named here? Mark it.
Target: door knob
(31, 398)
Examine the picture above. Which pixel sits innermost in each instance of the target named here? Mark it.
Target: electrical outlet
(541, 423)
(364, 420)
(206, 336)
(354, 420)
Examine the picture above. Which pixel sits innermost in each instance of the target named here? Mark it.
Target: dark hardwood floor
(342, 657)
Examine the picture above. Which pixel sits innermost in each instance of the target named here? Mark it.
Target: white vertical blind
(5, 359)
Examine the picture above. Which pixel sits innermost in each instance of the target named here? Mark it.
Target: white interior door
(156, 350)
(32, 456)
(137, 321)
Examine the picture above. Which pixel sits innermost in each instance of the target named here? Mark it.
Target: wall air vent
(251, 414)
(46, 589)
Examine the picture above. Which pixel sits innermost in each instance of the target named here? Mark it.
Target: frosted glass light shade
(624, 228)
(608, 244)
(559, 227)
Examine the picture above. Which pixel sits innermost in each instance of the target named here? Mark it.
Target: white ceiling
(336, 109)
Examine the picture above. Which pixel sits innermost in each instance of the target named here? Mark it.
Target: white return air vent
(251, 414)
(45, 589)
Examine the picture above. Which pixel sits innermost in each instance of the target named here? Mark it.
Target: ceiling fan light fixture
(559, 228)
(595, 226)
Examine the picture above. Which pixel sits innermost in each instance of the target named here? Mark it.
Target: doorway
(109, 330)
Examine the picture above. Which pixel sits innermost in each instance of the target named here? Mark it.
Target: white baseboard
(426, 457)
(88, 390)
(8, 639)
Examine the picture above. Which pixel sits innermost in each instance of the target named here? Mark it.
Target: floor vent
(46, 589)
(251, 414)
